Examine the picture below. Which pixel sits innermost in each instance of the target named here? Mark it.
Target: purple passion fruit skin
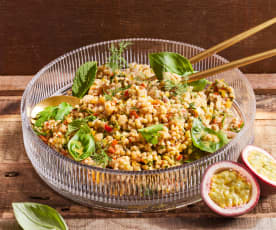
(229, 189)
(263, 166)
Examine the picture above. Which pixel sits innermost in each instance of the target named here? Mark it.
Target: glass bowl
(129, 191)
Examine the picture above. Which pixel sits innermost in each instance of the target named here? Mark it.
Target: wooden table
(20, 183)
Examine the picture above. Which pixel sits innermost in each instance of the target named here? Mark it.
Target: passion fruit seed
(230, 189)
(262, 164)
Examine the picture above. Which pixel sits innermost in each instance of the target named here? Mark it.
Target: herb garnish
(84, 78)
(108, 96)
(53, 112)
(101, 158)
(38, 216)
(199, 131)
(170, 62)
(151, 133)
(177, 88)
(199, 84)
(116, 61)
(81, 145)
(75, 125)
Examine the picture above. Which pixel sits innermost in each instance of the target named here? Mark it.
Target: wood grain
(19, 182)
(32, 32)
(15, 85)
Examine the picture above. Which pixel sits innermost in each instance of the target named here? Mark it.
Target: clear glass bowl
(130, 191)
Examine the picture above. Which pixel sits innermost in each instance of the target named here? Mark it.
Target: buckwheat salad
(140, 117)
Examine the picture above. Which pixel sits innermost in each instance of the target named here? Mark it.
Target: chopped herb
(53, 112)
(192, 105)
(151, 133)
(176, 88)
(100, 156)
(116, 61)
(107, 96)
(199, 84)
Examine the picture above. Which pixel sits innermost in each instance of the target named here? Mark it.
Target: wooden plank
(160, 223)
(27, 44)
(15, 167)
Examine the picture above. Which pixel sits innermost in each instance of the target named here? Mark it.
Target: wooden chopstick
(231, 41)
(231, 65)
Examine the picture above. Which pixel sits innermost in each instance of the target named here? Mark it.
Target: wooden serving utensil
(231, 65)
(231, 41)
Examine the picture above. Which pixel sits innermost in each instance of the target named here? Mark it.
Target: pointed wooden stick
(231, 41)
(231, 65)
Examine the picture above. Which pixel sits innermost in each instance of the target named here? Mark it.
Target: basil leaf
(169, 62)
(151, 133)
(199, 84)
(38, 216)
(75, 125)
(45, 115)
(198, 132)
(84, 78)
(63, 110)
(81, 145)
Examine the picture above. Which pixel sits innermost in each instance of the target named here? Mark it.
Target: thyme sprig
(116, 61)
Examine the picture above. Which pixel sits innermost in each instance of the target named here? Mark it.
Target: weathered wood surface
(19, 182)
(33, 32)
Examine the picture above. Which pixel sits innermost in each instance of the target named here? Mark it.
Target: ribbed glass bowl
(130, 191)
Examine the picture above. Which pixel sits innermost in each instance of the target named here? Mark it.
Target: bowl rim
(25, 120)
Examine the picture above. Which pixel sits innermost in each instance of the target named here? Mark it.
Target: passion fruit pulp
(263, 166)
(229, 189)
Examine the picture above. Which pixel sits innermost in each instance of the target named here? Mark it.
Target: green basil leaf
(75, 125)
(45, 115)
(84, 78)
(34, 216)
(63, 110)
(198, 132)
(151, 133)
(169, 62)
(81, 145)
(199, 84)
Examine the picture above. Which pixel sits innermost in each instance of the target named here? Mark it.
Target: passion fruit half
(263, 166)
(229, 189)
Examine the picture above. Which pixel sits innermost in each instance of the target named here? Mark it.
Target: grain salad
(129, 119)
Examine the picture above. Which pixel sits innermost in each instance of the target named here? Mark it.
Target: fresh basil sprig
(53, 112)
(84, 78)
(151, 133)
(31, 216)
(81, 145)
(198, 132)
(169, 62)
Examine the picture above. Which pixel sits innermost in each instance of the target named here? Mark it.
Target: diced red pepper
(107, 128)
(143, 85)
(114, 142)
(179, 158)
(133, 113)
(126, 93)
(111, 149)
